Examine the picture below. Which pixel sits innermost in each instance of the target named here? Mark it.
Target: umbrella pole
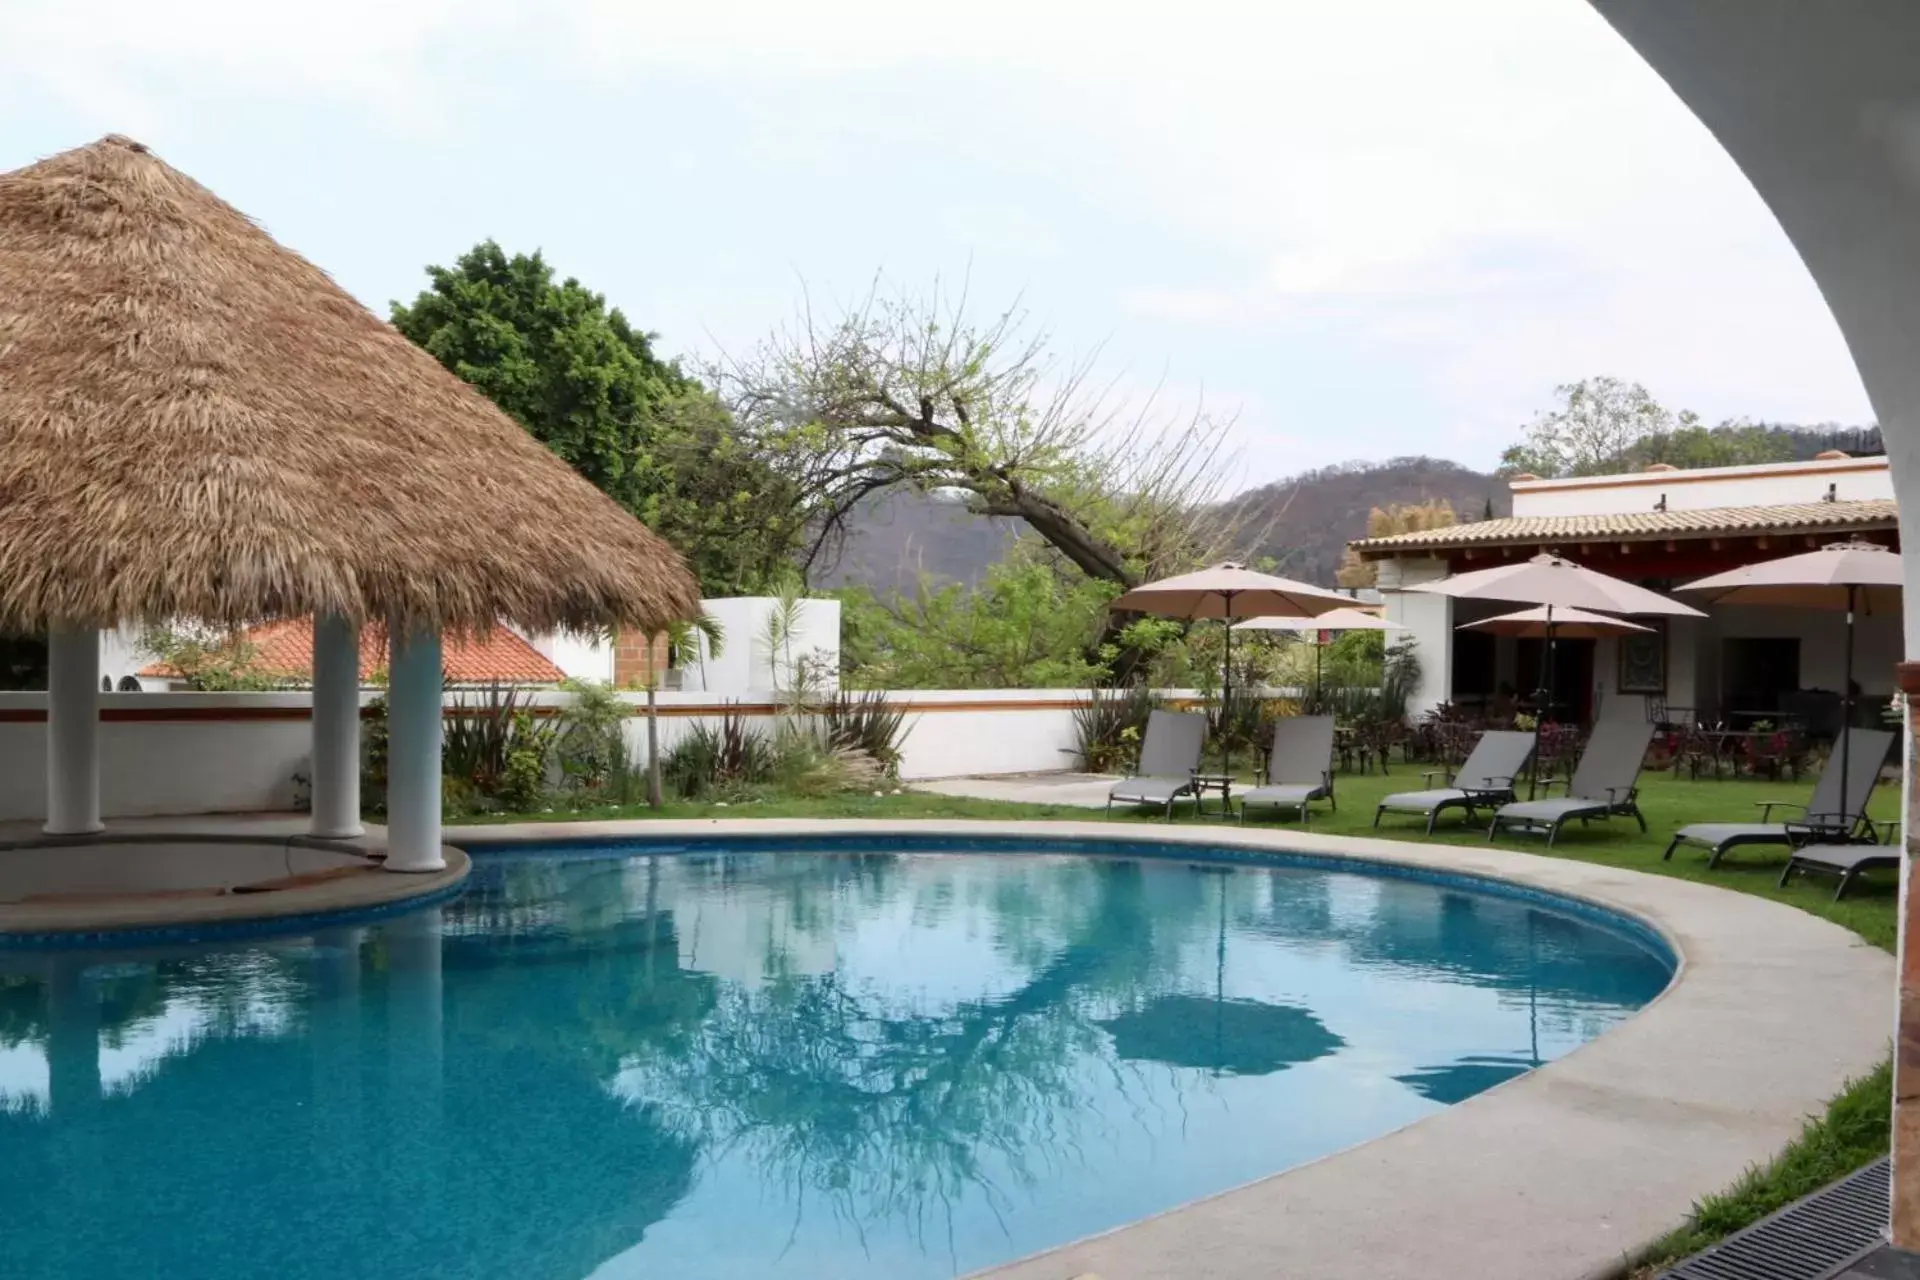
(1226, 697)
(1546, 691)
(1546, 707)
(1846, 718)
(1319, 691)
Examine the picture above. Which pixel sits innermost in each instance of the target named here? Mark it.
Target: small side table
(1220, 782)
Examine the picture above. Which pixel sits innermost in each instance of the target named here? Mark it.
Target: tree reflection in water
(884, 1106)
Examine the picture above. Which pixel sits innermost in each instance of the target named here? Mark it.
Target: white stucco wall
(1429, 623)
(172, 753)
(1772, 484)
(581, 657)
(158, 765)
(949, 732)
(747, 664)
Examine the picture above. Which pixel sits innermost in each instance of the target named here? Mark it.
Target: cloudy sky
(1366, 228)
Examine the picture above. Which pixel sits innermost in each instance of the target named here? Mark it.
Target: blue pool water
(759, 1062)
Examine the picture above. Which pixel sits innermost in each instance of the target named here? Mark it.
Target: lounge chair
(1169, 762)
(1847, 861)
(1484, 780)
(1300, 767)
(1830, 817)
(1605, 784)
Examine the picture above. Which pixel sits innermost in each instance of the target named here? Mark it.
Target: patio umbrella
(1557, 584)
(1855, 576)
(1230, 591)
(1568, 624)
(1333, 620)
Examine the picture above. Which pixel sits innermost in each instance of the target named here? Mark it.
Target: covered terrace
(1659, 528)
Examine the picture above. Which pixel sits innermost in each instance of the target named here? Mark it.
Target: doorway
(1572, 676)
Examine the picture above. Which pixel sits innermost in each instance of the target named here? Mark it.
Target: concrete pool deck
(1566, 1173)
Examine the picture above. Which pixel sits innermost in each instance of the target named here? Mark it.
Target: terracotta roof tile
(1641, 526)
(500, 655)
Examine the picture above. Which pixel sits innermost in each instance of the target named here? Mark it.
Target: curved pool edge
(1568, 1171)
(144, 920)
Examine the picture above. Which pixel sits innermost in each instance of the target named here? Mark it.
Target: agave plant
(1108, 727)
(867, 723)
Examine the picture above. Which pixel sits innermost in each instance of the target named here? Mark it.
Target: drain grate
(1808, 1240)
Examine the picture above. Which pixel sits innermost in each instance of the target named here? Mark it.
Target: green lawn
(1668, 803)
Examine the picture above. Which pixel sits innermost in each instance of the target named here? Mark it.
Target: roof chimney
(1660, 466)
(1522, 478)
(1831, 455)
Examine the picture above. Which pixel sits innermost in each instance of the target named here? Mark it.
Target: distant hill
(1306, 521)
(895, 536)
(1302, 523)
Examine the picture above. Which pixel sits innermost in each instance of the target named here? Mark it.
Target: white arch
(1819, 105)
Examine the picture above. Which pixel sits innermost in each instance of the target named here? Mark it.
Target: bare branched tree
(909, 391)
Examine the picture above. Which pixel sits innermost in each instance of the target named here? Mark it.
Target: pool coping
(1566, 1173)
(140, 919)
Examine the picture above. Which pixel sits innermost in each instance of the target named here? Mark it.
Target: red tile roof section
(501, 655)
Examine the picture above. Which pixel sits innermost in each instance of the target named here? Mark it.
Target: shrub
(864, 722)
(1108, 727)
(591, 742)
(482, 739)
(726, 759)
(524, 780)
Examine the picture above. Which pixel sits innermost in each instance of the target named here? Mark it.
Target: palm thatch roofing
(196, 422)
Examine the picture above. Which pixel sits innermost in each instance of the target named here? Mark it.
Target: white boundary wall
(170, 753)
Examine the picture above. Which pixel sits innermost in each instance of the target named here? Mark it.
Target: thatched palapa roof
(196, 422)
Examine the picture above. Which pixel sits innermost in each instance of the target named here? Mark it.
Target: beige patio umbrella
(1557, 584)
(1855, 576)
(1229, 591)
(1347, 619)
(1568, 624)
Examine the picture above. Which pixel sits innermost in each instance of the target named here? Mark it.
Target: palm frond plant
(708, 637)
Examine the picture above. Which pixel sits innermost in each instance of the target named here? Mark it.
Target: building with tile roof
(1658, 527)
(499, 656)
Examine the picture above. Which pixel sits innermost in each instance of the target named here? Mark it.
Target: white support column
(413, 752)
(73, 732)
(336, 730)
(1429, 623)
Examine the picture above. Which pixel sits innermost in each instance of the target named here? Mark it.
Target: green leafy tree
(552, 354)
(1591, 432)
(1026, 625)
(588, 384)
(1604, 426)
(1731, 444)
(739, 520)
(212, 663)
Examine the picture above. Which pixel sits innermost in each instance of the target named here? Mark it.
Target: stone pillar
(336, 730)
(73, 732)
(413, 752)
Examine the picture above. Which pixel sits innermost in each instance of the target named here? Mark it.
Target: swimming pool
(882, 1057)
